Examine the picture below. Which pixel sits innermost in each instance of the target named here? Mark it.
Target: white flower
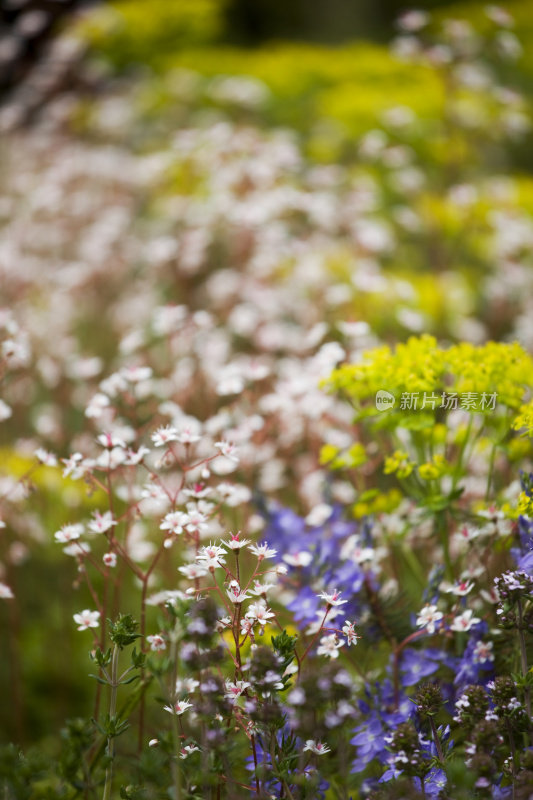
(228, 450)
(483, 651)
(77, 549)
(234, 494)
(427, 618)
(179, 708)
(332, 599)
(96, 406)
(296, 697)
(5, 411)
(196, 519)
(109, 440)
(459, 589)
(87, 619)
(113, 385)
(68, 533)
(193, 571)
(318, 515)
(247, 627)
(101, 523)
(187, 685)
(234, 690)
(110, 559)
(300, 559)
(156, 642)
(135, 457)
(230, 384)
(186, 751)
(273, 679)
(261, 588)
(499, 16)
(464, 621)
(263, 551)
(413, 20)
(5, 592)
(329, 646)
(260, 613)
(197, 491)
(174, 522)
(136, 374)
(165, 435)
(235, 543)
(316, 747)
(354, 550)
(235, 594)
(111, 459)
(73, 466)
(212, 556)
(349, 631)
(188, 436)
(153, 743)
(468, 533)
(46, 458)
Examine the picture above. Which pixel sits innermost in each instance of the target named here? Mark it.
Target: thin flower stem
(313, 640)
(176, 775)
(290, 796)
(254, 751)
(523, 657)
(112, 715)
(491, 471)
(436, 739)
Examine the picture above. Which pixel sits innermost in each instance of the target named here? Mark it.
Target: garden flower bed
(266, 494)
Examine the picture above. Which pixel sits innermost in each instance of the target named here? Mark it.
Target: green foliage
(284, 647)
(130, 32)
(123, 632)
(330, 94)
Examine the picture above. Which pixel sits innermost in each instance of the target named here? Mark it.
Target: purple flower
(418, 664)
(468, 668)
(305, 605)
(370, 742)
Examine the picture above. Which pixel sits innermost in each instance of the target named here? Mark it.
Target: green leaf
(98, 678)
(123, 631)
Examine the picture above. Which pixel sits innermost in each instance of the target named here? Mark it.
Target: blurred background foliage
(329, 70)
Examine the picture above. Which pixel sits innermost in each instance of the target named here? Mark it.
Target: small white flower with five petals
(87, 619)
(316, 747)
(428, 617)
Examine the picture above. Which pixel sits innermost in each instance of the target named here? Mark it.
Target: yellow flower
(525, 505)
(421, 366)
(399, 463)
(524, 420)
(433, 469)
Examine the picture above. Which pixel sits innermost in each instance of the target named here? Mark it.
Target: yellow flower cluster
(525, 505)
(336, 458)
(421, 366)
(376, 502)
(524, 420)
(398, 463)
(493, 367)
(434, 469)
